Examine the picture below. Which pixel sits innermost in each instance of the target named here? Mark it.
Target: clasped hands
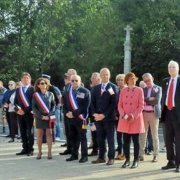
(20, 112)
(69, 115)
(128, 117)
(46, 118)
(98, 117)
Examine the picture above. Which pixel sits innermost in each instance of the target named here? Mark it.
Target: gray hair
(105, 69)
(147, 74)
(175, 63)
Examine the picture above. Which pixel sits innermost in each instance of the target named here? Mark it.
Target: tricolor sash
(23, 97)
(42, 102)
(44, 106)
(74, 105)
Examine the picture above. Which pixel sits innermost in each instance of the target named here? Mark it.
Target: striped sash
(75, 106)
(44, 106)
(42, 102)
(23, 97)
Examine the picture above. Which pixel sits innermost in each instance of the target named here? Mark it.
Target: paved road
(14, 167)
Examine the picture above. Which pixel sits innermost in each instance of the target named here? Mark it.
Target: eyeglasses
(10, 84)
(74, 80)
(148, 80)
(42, 83)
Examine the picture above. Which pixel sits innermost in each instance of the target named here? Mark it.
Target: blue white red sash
(74, 104)
(23, 97)
(44, 106)
(41, 101)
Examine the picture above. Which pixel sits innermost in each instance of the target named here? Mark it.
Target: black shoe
(90, 147)
(30, 153)
(83, 160)
(4, 130)
(66, 152)
(177, 168)
(21, 153)
(72, 158)
(63, 145)
(93, 153)
(168, 166)
(8, 136)
(11, 140)
(135, 164)
(126, 163)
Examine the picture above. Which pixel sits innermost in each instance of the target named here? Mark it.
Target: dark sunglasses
(42, 83)
(74, 80)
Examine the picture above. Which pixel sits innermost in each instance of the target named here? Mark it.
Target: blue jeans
(57, 114)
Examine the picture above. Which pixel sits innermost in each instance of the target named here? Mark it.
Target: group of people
(125, 108)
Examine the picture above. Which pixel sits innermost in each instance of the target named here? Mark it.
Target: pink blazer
(131, 101)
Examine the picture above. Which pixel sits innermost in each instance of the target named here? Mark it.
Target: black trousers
(8, 121)
(27, 131)
(14, 124)
(105, 130)
(172, 136)
(67, 132)
(149, 142)
(78, 136)
(119, 136)
(94, 139)
(127, 142)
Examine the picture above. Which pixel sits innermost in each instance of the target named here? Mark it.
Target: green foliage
(47, 36)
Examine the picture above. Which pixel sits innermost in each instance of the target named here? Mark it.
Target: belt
(148, 111)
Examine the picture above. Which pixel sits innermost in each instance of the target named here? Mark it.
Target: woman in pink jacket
(130, 107)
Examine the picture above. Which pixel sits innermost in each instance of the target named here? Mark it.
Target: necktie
(24, 88)
(102, 88)
(170, 96)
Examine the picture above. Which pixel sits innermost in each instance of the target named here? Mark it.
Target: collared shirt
(103, 86)
(25, 88)
(148, 107)
(174, 89)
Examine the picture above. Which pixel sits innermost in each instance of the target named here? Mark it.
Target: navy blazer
(83, 98)
(29, 95)
(105, 103)
(165, 85)
(157, 93)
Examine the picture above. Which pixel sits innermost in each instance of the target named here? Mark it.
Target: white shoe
(57, 139)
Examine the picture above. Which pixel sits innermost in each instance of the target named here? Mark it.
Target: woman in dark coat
(43, 105)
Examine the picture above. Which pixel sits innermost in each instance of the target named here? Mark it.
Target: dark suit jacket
(165, 85)
(29, 95)
(105, 103)
(83, 98)
(157, 93)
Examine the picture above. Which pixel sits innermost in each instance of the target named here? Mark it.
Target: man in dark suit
(171, 115)
(76, 106)
(67, 80)
(23, 104)
(95, 80)
(103, 104)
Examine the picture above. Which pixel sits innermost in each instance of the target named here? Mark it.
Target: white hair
(173, 63)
